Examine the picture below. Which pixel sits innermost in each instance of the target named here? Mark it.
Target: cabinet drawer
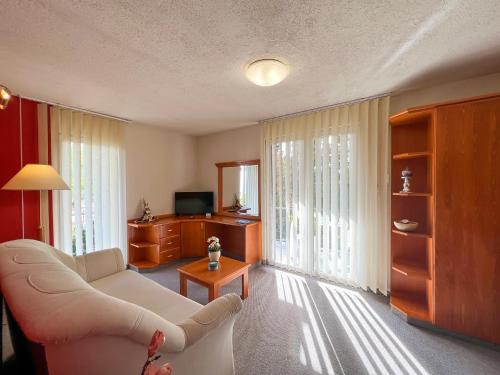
(167, 230)
(172, 242)
(168, 255)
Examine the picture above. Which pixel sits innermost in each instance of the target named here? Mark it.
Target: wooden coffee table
(229, 269)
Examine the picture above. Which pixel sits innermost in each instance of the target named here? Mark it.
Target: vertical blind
(249, 188)
(326, 193)
(87, 152)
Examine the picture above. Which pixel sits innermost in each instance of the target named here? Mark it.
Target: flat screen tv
(194, 203)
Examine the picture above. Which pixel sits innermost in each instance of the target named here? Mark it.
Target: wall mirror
(239, 189)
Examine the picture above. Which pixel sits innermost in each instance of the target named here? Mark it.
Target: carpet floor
(293, 324)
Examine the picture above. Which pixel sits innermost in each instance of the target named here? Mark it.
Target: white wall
(158, 163)
(232, 145)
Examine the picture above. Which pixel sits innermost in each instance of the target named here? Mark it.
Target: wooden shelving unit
(446, 273)
(412, 141)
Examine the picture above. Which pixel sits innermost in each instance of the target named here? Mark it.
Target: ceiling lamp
(5, 96)
(267, 72)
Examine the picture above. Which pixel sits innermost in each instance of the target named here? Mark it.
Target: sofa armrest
(96, 265)
(210, 317)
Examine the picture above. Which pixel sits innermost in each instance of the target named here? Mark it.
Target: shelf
(411, 155)
(399, 194)
(143, 264)
(411, 234)
(411, 269)
(141, 245)
(411, 306)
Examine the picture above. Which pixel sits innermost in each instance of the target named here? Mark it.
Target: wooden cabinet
(170, 238)
(448, 272)
(468, 218)
(193, 239)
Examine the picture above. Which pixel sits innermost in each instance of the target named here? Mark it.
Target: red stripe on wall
(10, 162)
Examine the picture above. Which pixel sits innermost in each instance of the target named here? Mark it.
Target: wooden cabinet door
(467, 240)
(193, 239)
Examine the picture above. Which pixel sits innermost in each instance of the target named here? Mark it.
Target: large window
(311, 192)
(87, 151)
(326, 193)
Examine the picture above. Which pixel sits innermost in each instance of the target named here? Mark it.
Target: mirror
(239, 188)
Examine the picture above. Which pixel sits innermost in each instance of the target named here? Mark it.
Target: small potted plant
(214, 249)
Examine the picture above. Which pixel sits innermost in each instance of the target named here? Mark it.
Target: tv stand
(172, 237)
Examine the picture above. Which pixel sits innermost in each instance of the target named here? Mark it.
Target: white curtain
(87, 151)
(249, 188)
(325, 193)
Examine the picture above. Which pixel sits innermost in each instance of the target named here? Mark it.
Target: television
(194, 203)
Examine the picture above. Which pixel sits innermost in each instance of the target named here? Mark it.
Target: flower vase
(214, 256)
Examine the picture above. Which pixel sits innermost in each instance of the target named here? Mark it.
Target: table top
(217, 219)
(228, 267)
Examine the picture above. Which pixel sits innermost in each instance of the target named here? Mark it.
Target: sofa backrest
(53, 304)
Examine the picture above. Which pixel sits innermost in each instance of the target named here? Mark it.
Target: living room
(226, 187)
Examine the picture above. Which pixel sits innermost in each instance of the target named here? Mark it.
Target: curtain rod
(318, 109)
(76, 109)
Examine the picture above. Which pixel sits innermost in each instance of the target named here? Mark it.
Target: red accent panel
(30, 156)
(10, 162)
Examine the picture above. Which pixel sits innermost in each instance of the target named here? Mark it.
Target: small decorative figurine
(237, 203)
(406, 175)
(147, 217)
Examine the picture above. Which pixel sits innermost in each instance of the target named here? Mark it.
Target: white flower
(213, 239)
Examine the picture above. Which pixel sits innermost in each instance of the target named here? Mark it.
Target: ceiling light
(5, 96)
(267, 72)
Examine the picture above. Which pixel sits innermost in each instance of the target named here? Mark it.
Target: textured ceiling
(180, 64)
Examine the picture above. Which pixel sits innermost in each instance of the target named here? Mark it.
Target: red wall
(10, 164)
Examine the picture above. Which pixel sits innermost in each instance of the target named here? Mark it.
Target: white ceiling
(180, 64)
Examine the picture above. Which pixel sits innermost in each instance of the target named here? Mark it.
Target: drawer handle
(169, 230)
(170, 243)
(170, 256)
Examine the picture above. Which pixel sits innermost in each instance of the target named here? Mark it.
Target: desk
(173, 237)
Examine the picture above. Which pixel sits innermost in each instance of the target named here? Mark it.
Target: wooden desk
(174, 237)
(229, 269)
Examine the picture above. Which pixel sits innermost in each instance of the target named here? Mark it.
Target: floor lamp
(38, 177)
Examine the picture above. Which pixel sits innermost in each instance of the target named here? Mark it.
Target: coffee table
(229, 269)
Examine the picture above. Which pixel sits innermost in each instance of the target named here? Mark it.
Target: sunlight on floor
(378, 347)
(294, 290)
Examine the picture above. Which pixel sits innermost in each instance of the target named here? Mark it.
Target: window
(87, 151)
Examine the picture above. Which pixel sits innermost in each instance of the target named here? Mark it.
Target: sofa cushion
(135, 288)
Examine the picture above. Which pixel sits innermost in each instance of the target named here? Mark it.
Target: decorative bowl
(406, 225)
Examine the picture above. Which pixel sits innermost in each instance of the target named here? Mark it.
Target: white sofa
(89, 315)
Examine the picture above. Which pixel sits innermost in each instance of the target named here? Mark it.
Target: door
(193, 239)
(467, 244)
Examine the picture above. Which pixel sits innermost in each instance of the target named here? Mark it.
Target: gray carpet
(291, 324)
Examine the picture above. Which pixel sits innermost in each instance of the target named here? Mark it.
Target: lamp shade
(36, 177)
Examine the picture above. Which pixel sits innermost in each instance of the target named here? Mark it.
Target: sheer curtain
(325, 193)
(87, 151)
(249, 188)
